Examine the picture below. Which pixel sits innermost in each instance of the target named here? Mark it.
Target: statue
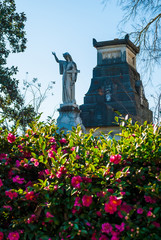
(69, 71)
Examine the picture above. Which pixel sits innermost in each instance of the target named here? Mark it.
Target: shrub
(76, 186)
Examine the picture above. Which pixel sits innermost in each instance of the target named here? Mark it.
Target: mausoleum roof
(124, 41)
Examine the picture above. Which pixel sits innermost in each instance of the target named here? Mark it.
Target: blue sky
(64, 26)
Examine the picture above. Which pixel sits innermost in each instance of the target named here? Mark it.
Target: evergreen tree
(12, 40)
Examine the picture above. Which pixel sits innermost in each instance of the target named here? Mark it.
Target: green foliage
(76, 186)
(12, 39)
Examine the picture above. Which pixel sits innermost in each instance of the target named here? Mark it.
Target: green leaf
(118, 174)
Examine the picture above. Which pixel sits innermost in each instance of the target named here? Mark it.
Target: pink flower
(114, 237)
(8, 207)
(114, 201)
(77, 202)
(47, 171)
(36, 164)
(63, 140)
(94, 236)
(140, 210)
(77, 157)
(11, 138)
(115, 158)
(1, 235)
(17, 179)
(56, 187)
(103, 237)
(110, 190)
(119, 214)
(126, 208)
(88, 224)
(13, 236)
(149, 199)
(72, 149)
(76, 181)
(52, 140)
(86, 179)
(49, 215)
(101, 194)
(61, 171)
(11, 194)
(156, 224)
(30, 196)
(99, 214)
(106, 228)
(20, 147)
(50, 154)
(1, 183)
(3, 156)
(31, 219)
(87, 200)
(149, 214)
(110, 208)
(18, 164)
(121, 227)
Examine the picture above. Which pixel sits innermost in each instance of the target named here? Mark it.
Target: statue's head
(67, 57)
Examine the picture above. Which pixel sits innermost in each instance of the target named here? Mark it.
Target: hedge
(75, 186)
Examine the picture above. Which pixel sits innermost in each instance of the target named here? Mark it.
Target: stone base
(69, 116)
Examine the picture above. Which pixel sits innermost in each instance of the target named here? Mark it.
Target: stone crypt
(115, 86)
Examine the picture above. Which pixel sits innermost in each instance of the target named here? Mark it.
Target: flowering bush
(76, 186)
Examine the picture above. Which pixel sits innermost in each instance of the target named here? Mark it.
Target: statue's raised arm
(55, 57)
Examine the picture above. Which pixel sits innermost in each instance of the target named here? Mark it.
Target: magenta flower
(52, 140)
(156, 224)
(7, 207)
(76, 181)
(88, 224)
(77, 202)
(87, 200)
(77, 157)
(11, 194)
(72, 149)
(1, 235)
(149, 214)
(121, 227)
(99, 214)
(140, 210)
(94, 236)
(49, 215)
(63, 140)
(126, 208)
(114, 201)
(31, 219)
(36, 164)
(149, 199)
(110, 208)
(115, 237)
(86, 179)
(106, 228)
(103, 237)
(18, 164)
(115, 158)
(3, 156)
(30, 195)
(50, 154)
(11, 138)
(1, 183)
(17, 179)
(13, 236)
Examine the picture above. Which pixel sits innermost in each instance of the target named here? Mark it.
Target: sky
(65, 26)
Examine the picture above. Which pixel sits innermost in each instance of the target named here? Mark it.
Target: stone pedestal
(69, 116)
